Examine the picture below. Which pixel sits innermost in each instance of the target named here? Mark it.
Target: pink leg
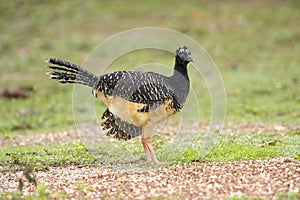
(146, 149)
(149, 151)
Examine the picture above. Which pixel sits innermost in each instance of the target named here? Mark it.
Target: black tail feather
(118, 128)
(66, 72)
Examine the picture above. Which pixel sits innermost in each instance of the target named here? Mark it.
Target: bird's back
(136, 86)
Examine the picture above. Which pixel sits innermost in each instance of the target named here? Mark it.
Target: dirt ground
(262, 178)
(209, 180)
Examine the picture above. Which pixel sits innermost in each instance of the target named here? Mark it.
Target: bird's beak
(190, 59)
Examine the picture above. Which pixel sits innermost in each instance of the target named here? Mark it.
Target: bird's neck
(180, 69)
(180, 81)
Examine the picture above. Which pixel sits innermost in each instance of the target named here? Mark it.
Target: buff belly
(128, 111)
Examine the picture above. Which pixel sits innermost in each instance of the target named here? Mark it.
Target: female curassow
(136, 100)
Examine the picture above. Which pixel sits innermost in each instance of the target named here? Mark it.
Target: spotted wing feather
(138, 87)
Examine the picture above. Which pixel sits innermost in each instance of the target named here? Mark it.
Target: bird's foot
(155, 161)
(150, 154)
(151, 162)
(160, 163)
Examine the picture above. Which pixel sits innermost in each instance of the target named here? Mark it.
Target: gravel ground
(266, 179)
(263, 178)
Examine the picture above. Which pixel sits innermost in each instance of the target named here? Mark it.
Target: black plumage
(143, 87)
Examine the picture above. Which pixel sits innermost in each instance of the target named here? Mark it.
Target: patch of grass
(253, 146)
(243, 197)
(288, 196)
(41, 157)
(280, 196)
(263, 97)
(45, 109)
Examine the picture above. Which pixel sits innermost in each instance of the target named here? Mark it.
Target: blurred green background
(255, 44)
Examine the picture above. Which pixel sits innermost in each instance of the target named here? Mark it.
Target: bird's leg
(146, 141)
(150, 154)
(146, 149)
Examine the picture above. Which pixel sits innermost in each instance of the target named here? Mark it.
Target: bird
(136, 101)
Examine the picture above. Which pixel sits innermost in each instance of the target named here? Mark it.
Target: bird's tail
(66, 72)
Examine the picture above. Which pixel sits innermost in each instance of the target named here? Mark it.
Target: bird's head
(184, 54)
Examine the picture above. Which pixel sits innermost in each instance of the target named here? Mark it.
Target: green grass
(42, 157)
(255, 147)
(45, 110)
(281, 196)
(263, 97)
(252, 146)
(255, 50)
(42, 193)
